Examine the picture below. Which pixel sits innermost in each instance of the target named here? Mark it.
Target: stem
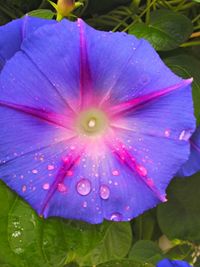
(195, 19)
(142, 14)
(194, 43)
(147, 20)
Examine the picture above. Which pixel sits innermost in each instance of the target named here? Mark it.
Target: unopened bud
(64, 7)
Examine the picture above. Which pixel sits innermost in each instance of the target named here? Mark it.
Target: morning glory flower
(13, 33)
(192, 165)
(93, 124)
(172, 263)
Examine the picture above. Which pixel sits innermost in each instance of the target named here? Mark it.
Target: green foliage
(27, 240)
(188, 66)
(146, 251)
(179, 218)
(42, 13)
(166, 30)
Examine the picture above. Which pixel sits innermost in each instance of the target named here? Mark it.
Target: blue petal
(123, 67)
(13, 33)
(172, 263)
(61, 43)
(192, 165)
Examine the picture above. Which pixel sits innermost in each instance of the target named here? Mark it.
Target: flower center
(92, 122)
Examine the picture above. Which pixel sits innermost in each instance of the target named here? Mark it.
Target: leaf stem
(147, 19)
(187, 44)
(142, 14)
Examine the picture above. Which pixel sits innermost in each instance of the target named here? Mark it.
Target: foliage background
(172, 229)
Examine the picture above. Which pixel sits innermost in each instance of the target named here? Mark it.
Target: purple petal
(13, 33)
(192, 165)
(63, 171)
(123, 67)
(61, 43)
(29, 87)
(172, 263)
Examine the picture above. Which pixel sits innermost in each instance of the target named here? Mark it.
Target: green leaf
(146, 251)
(187, 66)
(145, 226)
(28, 240)
(125, 263)
(167, 30)
(179, 218)
(42, 13)
(114, 241)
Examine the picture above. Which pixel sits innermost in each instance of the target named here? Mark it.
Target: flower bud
(64, 7)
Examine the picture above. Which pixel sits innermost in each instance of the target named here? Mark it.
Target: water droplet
(141, 170)
(127, 208)
(150, 182)
(83, 187)
(104, 192)
(69, 173)
(34, 171)
(62, 188)
(116, 217)
(115, 173)
(46, 186)
(185, 135)
(167, 133)
(50, 167)
(84, 204)
(24, 188)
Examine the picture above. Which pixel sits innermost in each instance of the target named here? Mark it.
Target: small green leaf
(145, 226)
(187, 66)
(42, 13)
(125, 263)
(167, 30)
(179, 218)
(114, 241)
(146, 251)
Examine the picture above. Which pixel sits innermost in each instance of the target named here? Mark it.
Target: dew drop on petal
(150, 182)
(185, 135)
(84, 204)
(167, 133)
(116, 217)
(104, 192)
(115, 173)
(46, 186)
(69, 173)
(34, 171)
(50, 167)
(24, 188)
(62, 188)
(83, 187)
(141, 170)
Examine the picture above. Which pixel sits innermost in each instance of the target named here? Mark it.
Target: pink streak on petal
(68, 163)
(131, 104)
(86, 92)
(195, 146)
(126, 158)
(46, 116)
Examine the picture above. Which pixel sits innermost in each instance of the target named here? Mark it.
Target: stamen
(92, 123)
